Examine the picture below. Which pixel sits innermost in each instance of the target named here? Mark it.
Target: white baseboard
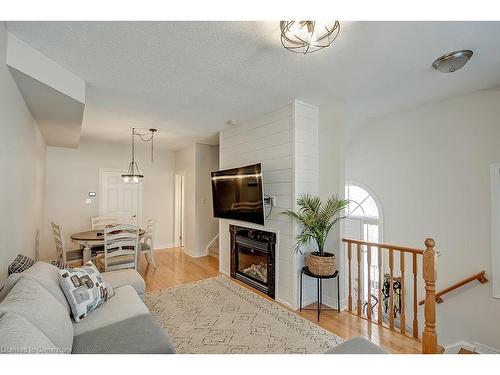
(455, 347)
(164, 246)
(473, 347)
(328, 301)
(188, 252)
(332, 302)
(283, 302)
(483, 349)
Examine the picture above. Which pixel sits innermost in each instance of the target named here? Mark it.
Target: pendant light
(308, 36)
(133, 175)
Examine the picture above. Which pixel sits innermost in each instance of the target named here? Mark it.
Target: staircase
(213, 247)
(466, 351)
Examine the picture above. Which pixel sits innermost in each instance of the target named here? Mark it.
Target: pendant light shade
(133, 175)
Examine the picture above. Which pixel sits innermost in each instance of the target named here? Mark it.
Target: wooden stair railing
(480, 276)
(429, 336)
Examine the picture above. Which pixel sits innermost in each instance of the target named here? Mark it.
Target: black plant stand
(319, 279)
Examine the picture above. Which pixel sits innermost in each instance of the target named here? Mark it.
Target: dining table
(92, 238)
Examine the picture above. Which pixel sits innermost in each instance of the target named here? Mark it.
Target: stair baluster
(391, 289)
(359, 305)
(402, 317)
(368, 267)
(379, 311)
(415, 311)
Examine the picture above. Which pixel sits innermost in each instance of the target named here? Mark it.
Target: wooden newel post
(429, 337)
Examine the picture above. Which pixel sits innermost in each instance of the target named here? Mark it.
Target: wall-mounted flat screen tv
(237, 194)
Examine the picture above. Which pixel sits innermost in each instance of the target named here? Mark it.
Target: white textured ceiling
(188, 78)
(59, 116)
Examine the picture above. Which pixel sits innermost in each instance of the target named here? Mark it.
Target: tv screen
(237, 194)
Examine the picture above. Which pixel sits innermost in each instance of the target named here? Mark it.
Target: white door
(179, 210)
(118, 199)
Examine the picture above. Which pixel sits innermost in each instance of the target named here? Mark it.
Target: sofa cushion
(124, 305)
(33, 302)
(47, 275)
(84, 289)
(125, 277)
(137, 335)
(18, 335)
(356, 345)
(9, 284)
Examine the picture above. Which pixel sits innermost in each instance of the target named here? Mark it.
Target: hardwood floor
(176, 268)
(173, 268)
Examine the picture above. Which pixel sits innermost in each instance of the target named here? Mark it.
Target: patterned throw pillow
(58, 263)
(20, 264)
(84, 289)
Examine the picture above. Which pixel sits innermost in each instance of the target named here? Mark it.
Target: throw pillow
(20, 264)
(84, 289)
(58, 263)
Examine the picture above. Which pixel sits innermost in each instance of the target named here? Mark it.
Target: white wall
(22, 166)
(285, 142)
(72, 173)
(185, 162)
(305, 173)
(429, 166)
(267, 139)
(200, 227)
(332, 121)
(33, 63)
(207, 161)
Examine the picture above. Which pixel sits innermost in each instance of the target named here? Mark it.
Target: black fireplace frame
(261, 240)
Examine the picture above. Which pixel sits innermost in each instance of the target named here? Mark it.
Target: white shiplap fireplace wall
(285, 142)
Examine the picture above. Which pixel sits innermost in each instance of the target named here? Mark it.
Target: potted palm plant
(316, 219)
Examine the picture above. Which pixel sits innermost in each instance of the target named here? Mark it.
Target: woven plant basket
(321, 265)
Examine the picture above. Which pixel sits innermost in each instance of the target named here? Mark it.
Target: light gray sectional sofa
(357, 345)
(36, 318)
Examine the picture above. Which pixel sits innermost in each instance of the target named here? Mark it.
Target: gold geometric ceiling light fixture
(308, 36)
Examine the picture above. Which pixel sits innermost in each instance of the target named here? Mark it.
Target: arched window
(362, 203)
(364, 219)
(364, 222)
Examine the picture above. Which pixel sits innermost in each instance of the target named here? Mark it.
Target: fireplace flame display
(252, 257)
(257, 271)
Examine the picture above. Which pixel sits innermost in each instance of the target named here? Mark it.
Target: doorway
(179, 209)
(118, 199)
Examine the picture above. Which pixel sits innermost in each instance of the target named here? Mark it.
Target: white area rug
(219, 316)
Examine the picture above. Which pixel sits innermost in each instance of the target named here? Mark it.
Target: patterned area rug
(219, 316)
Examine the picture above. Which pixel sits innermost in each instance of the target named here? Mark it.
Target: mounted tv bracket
(268, 201)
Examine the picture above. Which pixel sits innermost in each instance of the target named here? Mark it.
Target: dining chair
(148, 241)
(121, 248)
(100, 222)
(63, 254)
